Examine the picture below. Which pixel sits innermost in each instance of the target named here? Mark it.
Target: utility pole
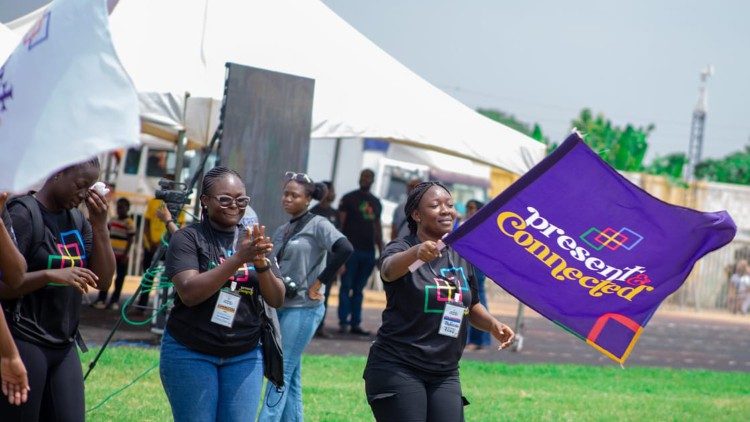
(695, 150)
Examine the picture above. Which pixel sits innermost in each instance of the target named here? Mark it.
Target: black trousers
(56, 382)
(121, 272)
(400, 393)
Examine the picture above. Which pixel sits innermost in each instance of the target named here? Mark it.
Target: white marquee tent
(170, 47)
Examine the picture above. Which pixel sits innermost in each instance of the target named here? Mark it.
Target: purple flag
(581, 245)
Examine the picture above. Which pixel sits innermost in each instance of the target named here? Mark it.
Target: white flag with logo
(64, 96)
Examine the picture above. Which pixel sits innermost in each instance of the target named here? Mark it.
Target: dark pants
(56, 382)
(477, 336)
(122, 269)
(399, 393)
(148, 256)
(358, 270)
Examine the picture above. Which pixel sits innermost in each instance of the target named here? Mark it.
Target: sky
(635, 61)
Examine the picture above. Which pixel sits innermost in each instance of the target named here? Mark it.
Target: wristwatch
(263, 269)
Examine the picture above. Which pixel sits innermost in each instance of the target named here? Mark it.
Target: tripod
(174, 200)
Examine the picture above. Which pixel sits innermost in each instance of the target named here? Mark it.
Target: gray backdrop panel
(267, 124)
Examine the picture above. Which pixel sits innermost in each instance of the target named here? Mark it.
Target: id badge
(453, 316)
(226, 308)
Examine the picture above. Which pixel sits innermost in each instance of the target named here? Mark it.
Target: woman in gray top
(300, 248)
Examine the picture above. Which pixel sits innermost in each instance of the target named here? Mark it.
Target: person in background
(71, 256)
(741, 280)
(13, 376)
(156, 221)
(301, 247)
(211, 361)
(399, 228)
(412, 368)
(477, 338)
(359, 214)
(325, 209)
(121, 233)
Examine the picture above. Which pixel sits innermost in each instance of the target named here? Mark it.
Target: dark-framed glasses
(297, 177)
(226, 201)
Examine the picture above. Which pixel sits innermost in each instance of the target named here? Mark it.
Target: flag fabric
(64, 96)
(578, 243)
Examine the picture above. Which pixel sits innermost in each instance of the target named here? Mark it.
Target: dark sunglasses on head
(297, 177)
(226, 201)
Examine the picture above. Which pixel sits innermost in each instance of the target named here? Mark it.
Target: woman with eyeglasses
(412, 369)
(301, 247)
(211, 361)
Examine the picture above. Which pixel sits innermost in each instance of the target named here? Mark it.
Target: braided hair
(412, 201)
(210, 179)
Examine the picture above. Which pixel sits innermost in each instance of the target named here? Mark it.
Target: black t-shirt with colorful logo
(49, 316)
(362, 211)
(414, 309)
(197, 247)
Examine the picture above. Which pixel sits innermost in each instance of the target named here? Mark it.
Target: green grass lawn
(334, 391)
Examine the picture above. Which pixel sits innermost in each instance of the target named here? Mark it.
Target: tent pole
(180, 155)
(335, 165)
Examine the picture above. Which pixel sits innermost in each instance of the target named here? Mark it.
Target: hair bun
(320, 191)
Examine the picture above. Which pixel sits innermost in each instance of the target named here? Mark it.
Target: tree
(670, 165)
(513, 123)
(623, 148)
(734, 168)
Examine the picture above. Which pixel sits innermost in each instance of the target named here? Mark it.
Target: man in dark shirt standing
(359, 216)
(324, 208)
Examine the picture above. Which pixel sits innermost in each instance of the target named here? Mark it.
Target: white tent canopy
(170, 47)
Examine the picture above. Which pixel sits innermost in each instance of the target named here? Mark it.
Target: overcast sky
(636, 61)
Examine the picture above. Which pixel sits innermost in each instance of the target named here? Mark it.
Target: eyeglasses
(297, 177)
(226, 201)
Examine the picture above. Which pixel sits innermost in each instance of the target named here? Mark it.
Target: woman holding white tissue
(66, 256)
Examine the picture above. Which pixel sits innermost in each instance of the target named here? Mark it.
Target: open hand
(254, 245)
(503, 334)
(80, 278)
(15, 382)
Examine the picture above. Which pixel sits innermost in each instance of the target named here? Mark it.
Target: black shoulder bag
(270, 338)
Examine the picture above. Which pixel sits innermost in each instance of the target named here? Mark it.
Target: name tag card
(453, 315)
(226, 308)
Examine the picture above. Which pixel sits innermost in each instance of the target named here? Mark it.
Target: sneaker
(343, 329)
(98, 305)
(321, 333)
(359, 331)
(114, 306)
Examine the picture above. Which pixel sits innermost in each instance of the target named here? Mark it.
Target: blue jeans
(209, 388)
(358, 270)
(297, 328)
(477, 336)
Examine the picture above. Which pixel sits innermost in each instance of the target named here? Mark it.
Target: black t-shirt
(330, 213)
(362, 211)
(49, 316)
(9, 227)
(190, 249)
(414, 310)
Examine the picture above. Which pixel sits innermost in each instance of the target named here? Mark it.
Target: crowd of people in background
(211, 361)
